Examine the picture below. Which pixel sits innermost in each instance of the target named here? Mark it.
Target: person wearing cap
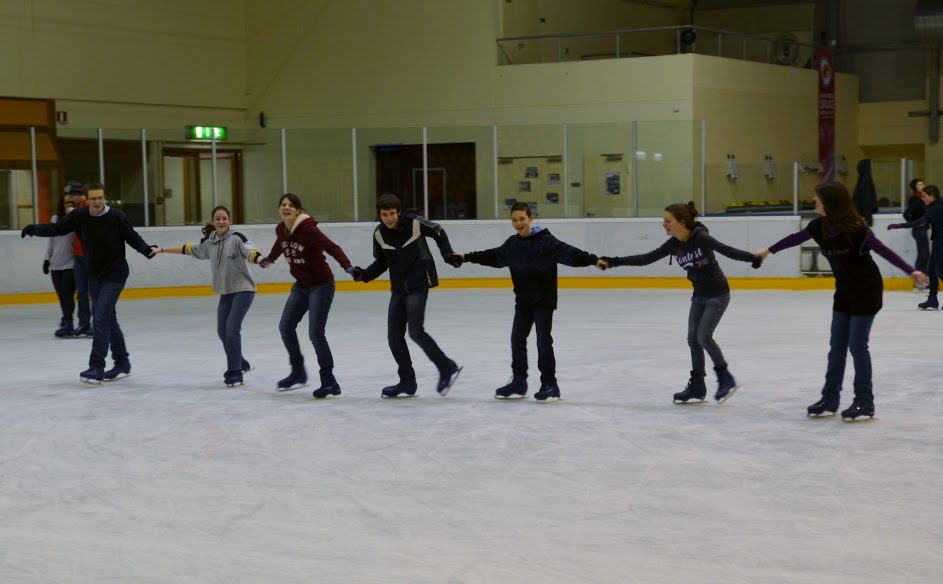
(75, 190)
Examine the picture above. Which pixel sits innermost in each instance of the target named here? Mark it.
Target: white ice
(169, 477)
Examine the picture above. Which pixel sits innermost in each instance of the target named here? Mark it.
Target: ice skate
(65, 329)
(296, 380)
(118, 371)
(931, 303)
(92, 375)
(695, 390)
(822, 408)
(246, 367)
(548, 391)
(407, 388)
(448, 378)
(726, 385)
(233, 378)
(857, 410)
(328, 391)
(516, 388)
(83, 332)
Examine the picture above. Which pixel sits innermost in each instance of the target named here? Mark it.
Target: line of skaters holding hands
(532, 255)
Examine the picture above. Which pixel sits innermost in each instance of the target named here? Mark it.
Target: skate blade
(859, 419)
(327, 397)
(235, 384)
(822, 415)
(90, 381)
(729, 395)
(292, 388)
(400, 396)
(446, 389)
(690, 402)
(120, 376)
(549, 400)
(512, 397)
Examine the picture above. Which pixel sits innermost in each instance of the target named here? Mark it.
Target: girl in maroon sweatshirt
(303, 245)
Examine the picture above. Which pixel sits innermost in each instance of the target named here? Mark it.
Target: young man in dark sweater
(399, 245)
(103, 232)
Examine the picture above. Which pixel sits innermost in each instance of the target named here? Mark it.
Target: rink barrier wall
(22, 280)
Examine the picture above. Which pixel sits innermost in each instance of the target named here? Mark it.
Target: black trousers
(64, 283)
(526, 318)
(408, 312)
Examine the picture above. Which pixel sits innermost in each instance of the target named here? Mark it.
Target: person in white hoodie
(227, 251)
(59, 262)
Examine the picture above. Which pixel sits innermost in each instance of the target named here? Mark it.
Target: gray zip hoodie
(227, 255)
(59, 251)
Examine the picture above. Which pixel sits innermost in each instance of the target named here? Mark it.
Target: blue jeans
(923, 248)
(408, 311)
(80, 273)
(703, 318)
(316, 303)
(229, 316)
(108, 333)
(525, 319)
(850, 333)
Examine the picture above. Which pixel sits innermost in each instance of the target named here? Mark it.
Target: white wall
(21, 260)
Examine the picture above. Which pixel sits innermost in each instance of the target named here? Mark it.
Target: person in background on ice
(104, 232)
(399, 245)
(691, 245)
(934, 218)
(59, 262)
(917, 208)
(227, 250)
(304, 245)
(76, 192)
(846, 242)
(532, 255)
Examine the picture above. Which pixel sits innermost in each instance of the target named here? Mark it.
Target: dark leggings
(64, 283)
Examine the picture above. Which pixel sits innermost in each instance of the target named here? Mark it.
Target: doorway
(188, 196)
(399, 171)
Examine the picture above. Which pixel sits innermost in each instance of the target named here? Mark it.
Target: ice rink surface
(169, 477)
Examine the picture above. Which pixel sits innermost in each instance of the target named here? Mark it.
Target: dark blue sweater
(533, 262)
(103, 238)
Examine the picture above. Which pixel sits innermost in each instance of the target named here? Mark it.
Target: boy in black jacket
(532, 255)
(399, 244)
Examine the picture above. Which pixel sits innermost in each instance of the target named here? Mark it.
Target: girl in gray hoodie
(227, 251)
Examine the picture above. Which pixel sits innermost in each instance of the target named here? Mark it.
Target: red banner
(823, 58)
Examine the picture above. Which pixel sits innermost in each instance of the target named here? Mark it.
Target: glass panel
(599, 158)
(386, 163)
(257, 186)
(320, 171)
(667, 169)
(461, 173)
(16, 200)
(887, 183)
(530, 169)
(124, 176)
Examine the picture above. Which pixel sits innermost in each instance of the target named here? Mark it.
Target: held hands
(155, 250)
(45, 266)
(757, 261)
(263, 261)
(455, 260)
(28, 230)
(602, 264)
(763, 253)
(356, 272)
(893, 226)
(920, 278)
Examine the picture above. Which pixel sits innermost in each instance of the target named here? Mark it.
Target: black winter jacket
(406, 254)
(533, 262)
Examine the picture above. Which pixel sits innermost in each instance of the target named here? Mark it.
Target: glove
(454, 260)
(893, 226)
(28, 230)
(356, 273)
(45, 266)
(608, 260)
(757, 262)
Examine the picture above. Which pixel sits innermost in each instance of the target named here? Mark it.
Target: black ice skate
(118, 371)
(857, 410)
(297, 380)
(726, 385)
(407, 388)
(822, 408)
(92, 375)
(448, 378)
(515, 389)
(65, 329)
(83, 332)
(696, 389)
(233, 377)
(931, 303)
(328, 390)
(246, 367)
(548, 391)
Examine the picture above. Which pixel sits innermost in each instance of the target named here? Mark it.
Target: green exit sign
(206, 133)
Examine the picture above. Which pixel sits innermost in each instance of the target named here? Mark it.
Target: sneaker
(328, 390)
(822, 408)
(516, 388)
(547, 391)
(83, 332)
(92, 375)
(65, 329)
(296, 380)
(403, 387)
(696, 389)
(858, 409)
(726, 385)
(233, 377)
(931, 303)
(118, 371)
(448, 378)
